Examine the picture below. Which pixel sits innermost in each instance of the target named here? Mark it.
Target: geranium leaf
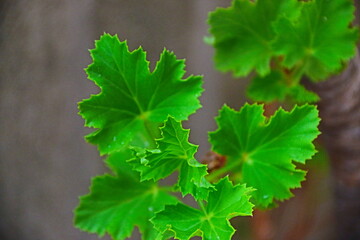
(133, 101)
(116, 204)
(174, 153)
(265, 148)
(243, 34)
(320, 39)
(274, 87)
(211, 221)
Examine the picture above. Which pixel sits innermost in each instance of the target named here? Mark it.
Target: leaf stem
(202, 206)
(297, 74)
(293, 76)
(172, 188)
(213, 176)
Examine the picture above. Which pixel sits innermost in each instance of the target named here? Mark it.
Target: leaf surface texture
(264, 149)
(133, 101)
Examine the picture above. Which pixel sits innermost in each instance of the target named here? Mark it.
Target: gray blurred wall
(44, 162)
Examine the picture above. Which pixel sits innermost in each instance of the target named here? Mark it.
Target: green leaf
(243, 34)
(300, 94)
(116, 205)
(174, 153)
(264, 149)
(212, 220)
(133, 101)
(274, 87)
(117, 163)
(320, 39)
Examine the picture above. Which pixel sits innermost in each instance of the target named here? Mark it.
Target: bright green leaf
(243, 34)
(174, 153)
(320, 39)
(210, 221)
(116, 205)
(134, 101)
(265, 148)
(274, 87)
(117, 163)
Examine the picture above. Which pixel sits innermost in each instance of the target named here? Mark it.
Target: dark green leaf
(320, 39)
(243, 34)
(274, 87)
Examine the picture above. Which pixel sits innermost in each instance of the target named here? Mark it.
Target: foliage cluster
(138, 116)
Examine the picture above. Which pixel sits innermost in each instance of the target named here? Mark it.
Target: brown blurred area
(45, 164)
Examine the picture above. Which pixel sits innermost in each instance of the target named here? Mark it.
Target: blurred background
(45, 164)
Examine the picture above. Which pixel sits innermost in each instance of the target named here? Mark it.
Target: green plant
(138, 118)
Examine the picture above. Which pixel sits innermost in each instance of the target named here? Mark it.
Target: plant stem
(202, 206)
(168, 188)
(297, 75)
(292, 77)
(213, 176)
